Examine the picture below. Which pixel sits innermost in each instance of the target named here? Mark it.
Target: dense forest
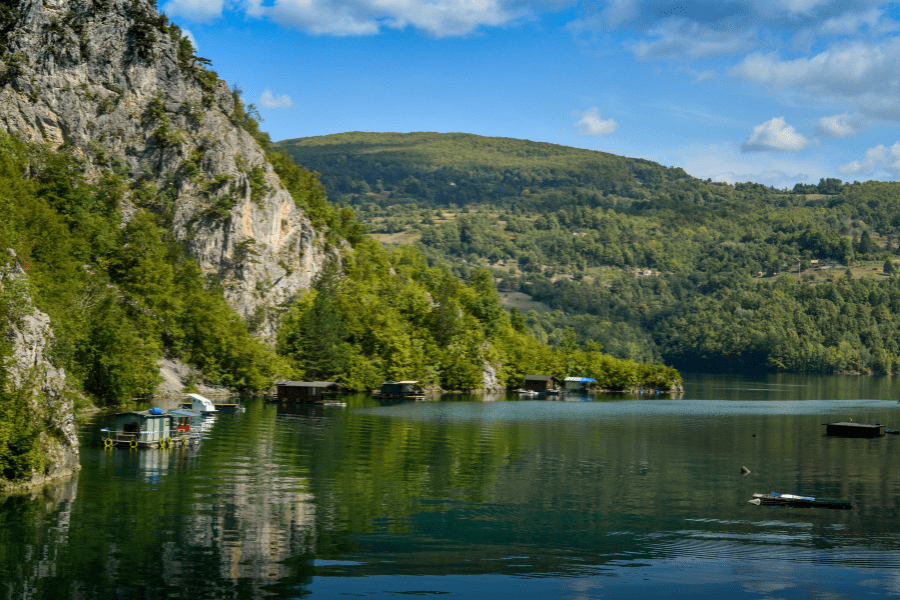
(644, 259)
(119, 297)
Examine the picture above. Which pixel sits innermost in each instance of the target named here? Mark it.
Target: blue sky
(750, 90)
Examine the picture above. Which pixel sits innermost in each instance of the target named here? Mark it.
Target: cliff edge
(120, 86)
(39, 441)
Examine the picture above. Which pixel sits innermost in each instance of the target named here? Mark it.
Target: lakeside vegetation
(649, 262)
(121, 297)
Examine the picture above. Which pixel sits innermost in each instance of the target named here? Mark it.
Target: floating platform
(851, 429)
(773, 499)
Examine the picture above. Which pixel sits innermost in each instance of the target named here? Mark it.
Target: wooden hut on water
(400, 389)
(540, 383)
(307, 391)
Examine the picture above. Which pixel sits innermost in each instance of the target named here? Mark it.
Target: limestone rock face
(489, 380)
(29, 369)
(112, 80)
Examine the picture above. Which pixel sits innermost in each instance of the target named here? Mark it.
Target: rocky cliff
(35, 386)
(121, 87)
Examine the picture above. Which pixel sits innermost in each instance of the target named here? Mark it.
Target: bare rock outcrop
(32, 376)
(120, 86)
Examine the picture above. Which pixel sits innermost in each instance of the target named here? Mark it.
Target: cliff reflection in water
(287, 501)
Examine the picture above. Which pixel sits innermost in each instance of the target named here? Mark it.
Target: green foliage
(21, 452)
(443, 169)
(145, 29)
(576, 230)
(393, 317)
(118, 297)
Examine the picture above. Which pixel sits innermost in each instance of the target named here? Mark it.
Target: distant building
(400, 389)
(306, 391)
(540, 383)
(579, 384)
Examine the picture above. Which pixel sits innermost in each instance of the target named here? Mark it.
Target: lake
(482, 497)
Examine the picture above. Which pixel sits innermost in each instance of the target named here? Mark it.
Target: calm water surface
(478, 497)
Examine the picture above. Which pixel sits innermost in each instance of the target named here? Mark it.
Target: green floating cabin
(307, 391)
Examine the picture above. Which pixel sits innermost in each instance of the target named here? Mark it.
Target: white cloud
(670, 29)
(841, 126)
(725, 162)
(199, 11)
(879, 156)
(683, 39)
(867, 74)
(440, 18)
(776, 135)
(269, 100)
(591, 124)
(850, 70)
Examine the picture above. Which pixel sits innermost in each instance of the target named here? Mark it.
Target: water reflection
(580, 497)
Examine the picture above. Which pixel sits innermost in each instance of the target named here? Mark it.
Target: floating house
(851, 429)
(153, 428)
(307, 391)
(540, 383)
(579, 384)
(400, 389)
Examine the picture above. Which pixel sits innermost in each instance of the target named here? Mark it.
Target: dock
(855, 430)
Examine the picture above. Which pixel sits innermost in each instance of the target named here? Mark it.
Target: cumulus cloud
(591, 123)
(879, 156)
(674, 29)
(776, 135)
(440, 18)
(683, 39)
(852, 69)
(841, 126)
(867, 74)
(269, 100)
(199, 11)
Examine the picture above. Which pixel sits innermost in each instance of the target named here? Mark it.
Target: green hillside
(441, 170)
(646, 260)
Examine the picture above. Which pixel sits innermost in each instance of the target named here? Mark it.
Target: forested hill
(643, 258)
(442, 169)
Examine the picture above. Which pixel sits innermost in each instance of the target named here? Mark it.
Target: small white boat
(201, 404)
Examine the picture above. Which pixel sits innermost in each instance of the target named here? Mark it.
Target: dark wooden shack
(306, 391)
(851, 429)
(400, 389)
(540, 383)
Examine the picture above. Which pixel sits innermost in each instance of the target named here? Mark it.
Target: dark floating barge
(851, 429)
(773, 499)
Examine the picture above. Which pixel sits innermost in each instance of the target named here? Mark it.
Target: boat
(153, 428)
(200, 404)
(775, 499)
(851, 429)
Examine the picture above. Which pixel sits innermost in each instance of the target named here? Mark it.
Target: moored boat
(200, 404)
(775, 499)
